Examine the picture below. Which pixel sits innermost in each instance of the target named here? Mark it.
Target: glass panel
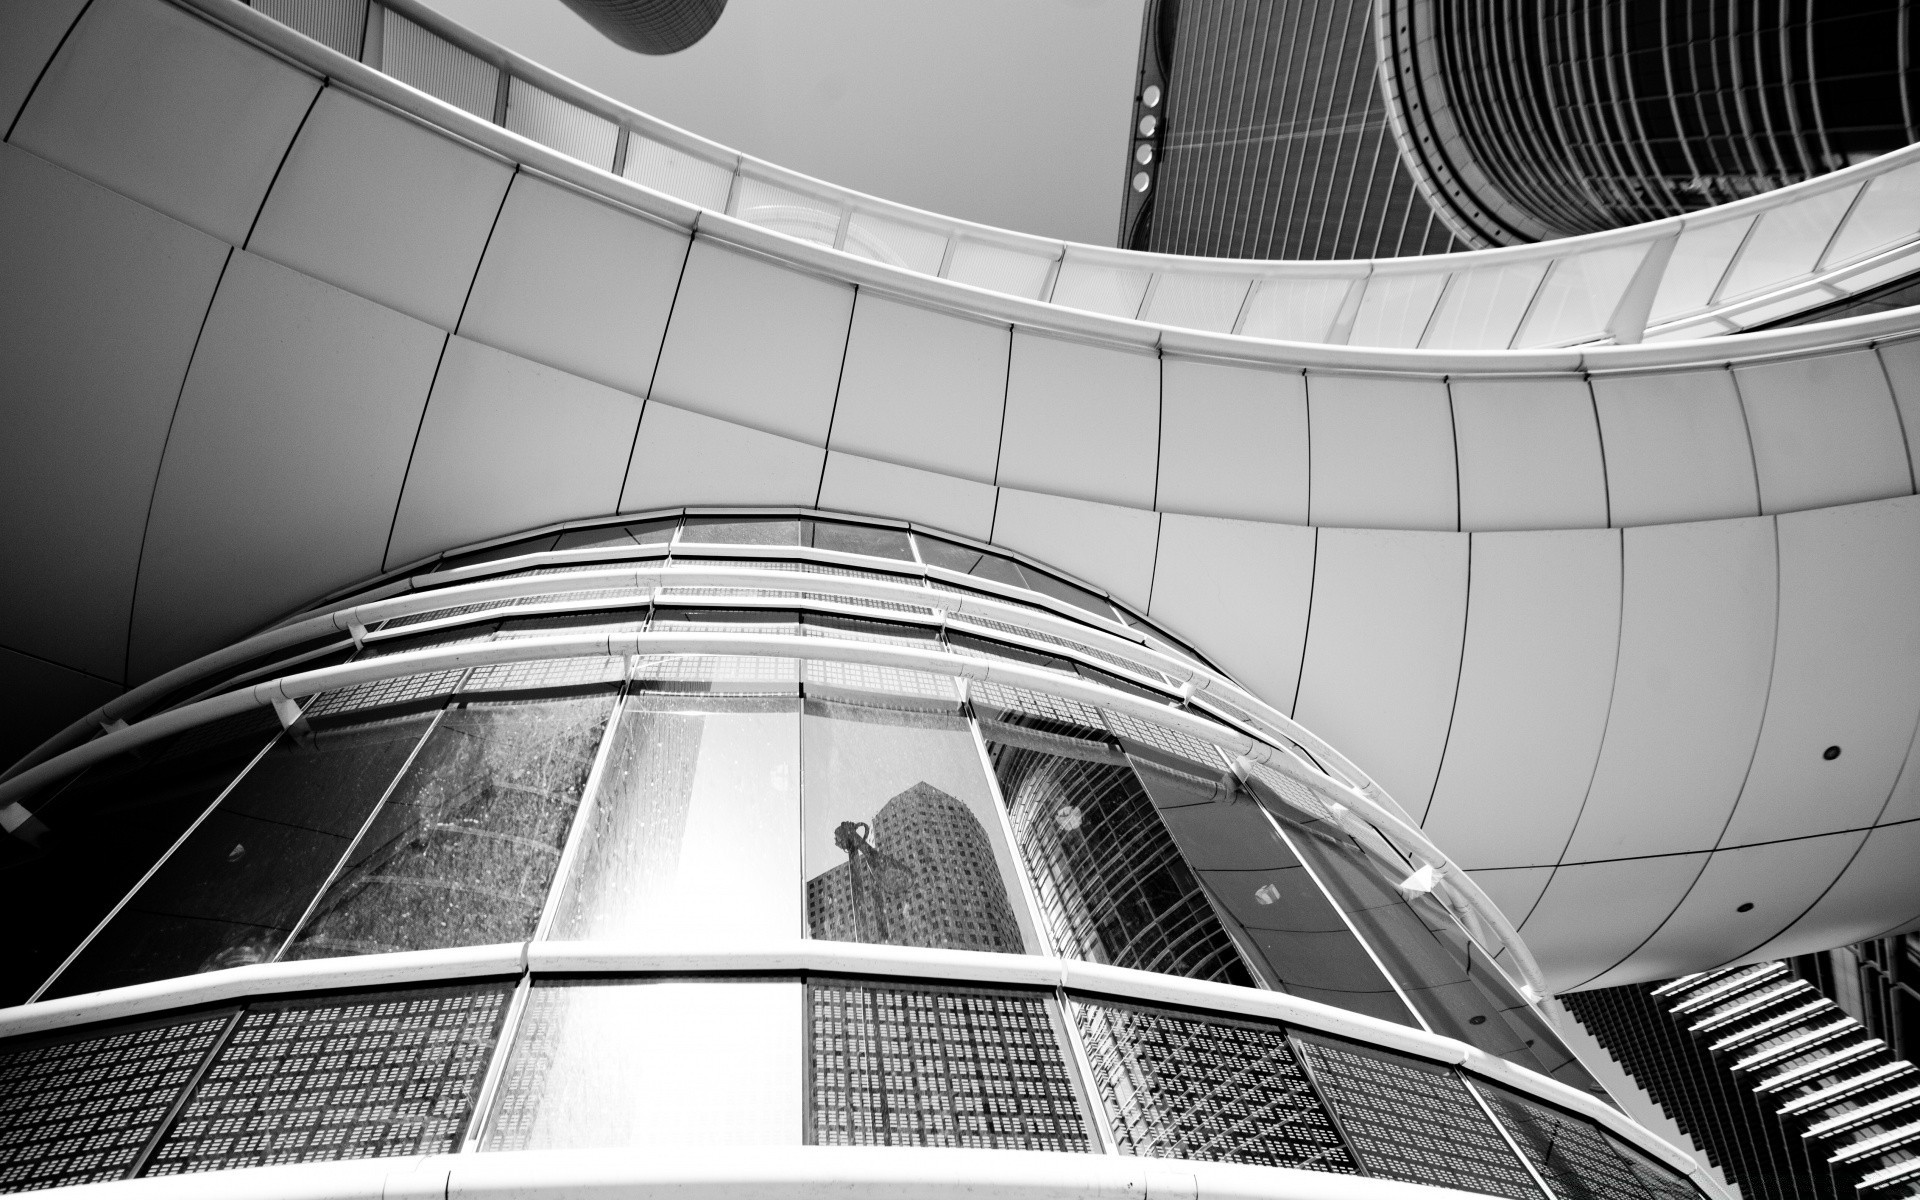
(561, 125)
(233, 892)
(907, 1065)
(1197, 301)
(1294, 310)
(1482, 307)
(1112, 887)
(1579, 294)
(436, 66)
(968, 561)
(463, 850)
(668, 1063)
(669, 619)
(1888, 213)
(1295, 932)
(1787, 243)
(998, 269)
(1698, 264)
(1098, 288)
(875, 541)
(1395, 308)
(366, 1076)
(1577, 1158)
(70, 881)
(902, 844)
(1414, 1121)
(695, 828)
(896, 243)
(80, 1109)
(679, 174)
(783, 210)
(644, 533)
(1449, 981)
(741, 531)
(1217, 1090)
(533, 545)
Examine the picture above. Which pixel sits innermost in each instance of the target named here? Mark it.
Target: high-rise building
(922, 875)
(490, 551)
(1269, 137)
(1338, 129)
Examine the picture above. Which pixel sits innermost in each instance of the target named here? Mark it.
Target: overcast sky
(1009, 112)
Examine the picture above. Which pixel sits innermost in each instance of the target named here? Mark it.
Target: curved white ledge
(1615, 279)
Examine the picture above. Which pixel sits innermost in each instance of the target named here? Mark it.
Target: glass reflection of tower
(923, 874)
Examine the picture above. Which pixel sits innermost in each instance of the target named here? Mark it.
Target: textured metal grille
(871, 677)
(417, 56)
(1217, 1090)
(905, 1065)
(1172, 741)
(1577, 1159)
(402, 690)
(1415, 1122)
(1080, 647)
(361, 1077)
(79, 1110)
(1036, 704)
(1291, 790)
(546, 673)
(731, 672)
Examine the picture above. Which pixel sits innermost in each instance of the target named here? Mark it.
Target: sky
(1008, 112)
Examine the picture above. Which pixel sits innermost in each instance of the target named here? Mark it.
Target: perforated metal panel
(1579, 1160)
(1036, 704)
(1221, 1090)
(368, 1076)
(1415, 1121)
(80, 1109)
(906, 1065)
(545, 673)
(406, 689)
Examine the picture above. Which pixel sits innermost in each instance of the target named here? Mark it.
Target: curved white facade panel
(1593, 617)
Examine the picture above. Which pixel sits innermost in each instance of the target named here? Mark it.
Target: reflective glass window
(620, 537)
(1886, 213)
(1294, 310)
(1395, 309)
(694, 831)
(876, 541)
(1578, 1159)
(462, 851)
(896, 243)
(235, 889)
(1112, 885)
(741, 531)
(900, 1064)
(70, 880)
(1414, 1120)
(1293, 933)
(606, 1064)
(1787, 242)
(902, 844)
(1698, 264)
(1449, 981)
(533, 545)
(1482, 307)
(1217, 1089)
(1578, 296)
(986, 565)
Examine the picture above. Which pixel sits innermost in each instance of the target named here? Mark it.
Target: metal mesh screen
(1415, 1121)
(905, 1065)
(1176, 1086)
(357, 1077)
(80, 1110)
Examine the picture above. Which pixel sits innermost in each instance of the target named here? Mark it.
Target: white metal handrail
(1718, 270)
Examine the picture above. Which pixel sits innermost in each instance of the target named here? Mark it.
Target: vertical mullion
(1466, 1082)
(1082, 1062)
(483, 1100)
(589, 800)
(1366, 945)
(187, 1089)
(1319, 1091)
(1035, 915)
(373, 815)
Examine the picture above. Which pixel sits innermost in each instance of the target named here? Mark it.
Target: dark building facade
(1794, 1076)
(1525, 120)
(1268, 137)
